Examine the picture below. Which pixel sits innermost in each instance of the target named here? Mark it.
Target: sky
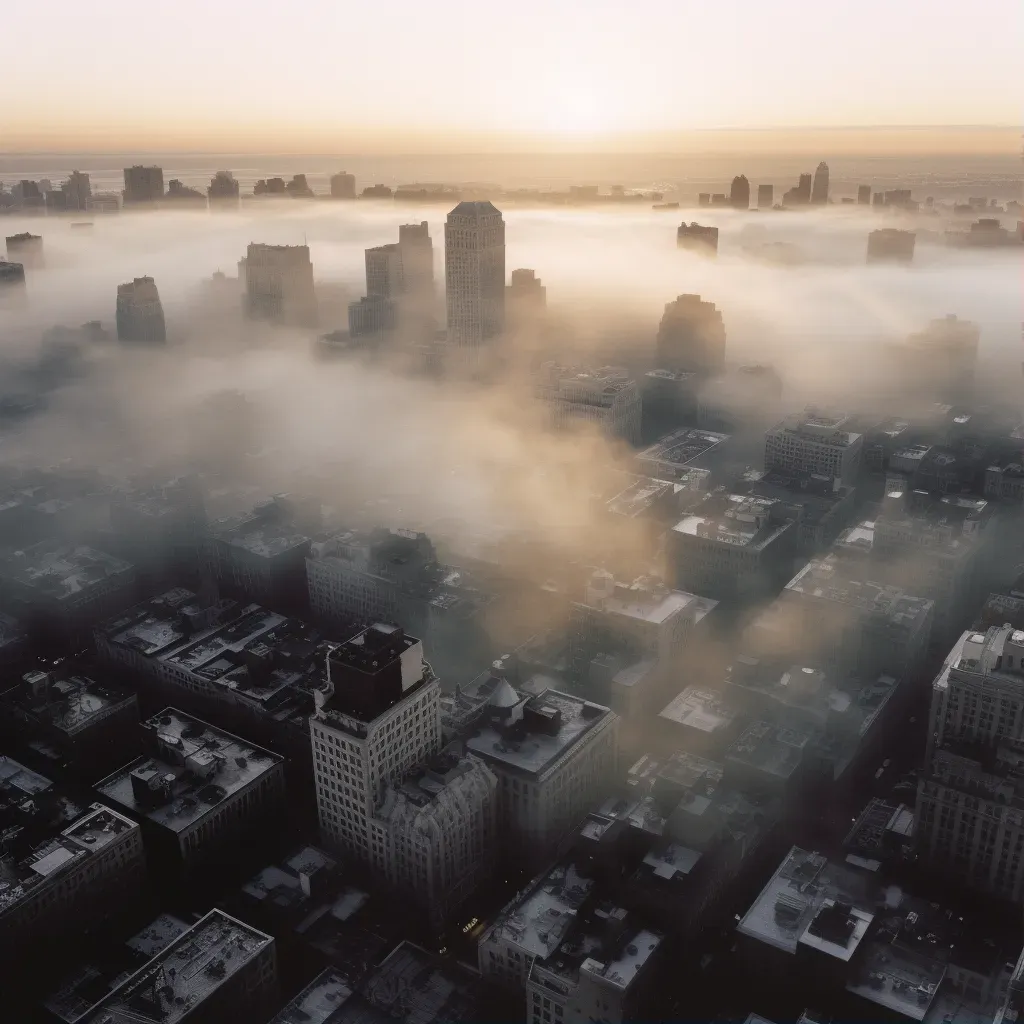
(412, 77)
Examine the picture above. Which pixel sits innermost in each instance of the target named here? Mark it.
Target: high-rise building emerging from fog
(77, 191)
(819, 189)
(702, 238)
(739, 193)
(343, 185)
(279, 284)
(474, 257)
(12, 277)
(223, 190)
(864, 195)
(691, 337)
(140, 316)
(525, 296)
(417, 249)
(143, 184)
(765, 196)
(942, 358)
(890, 245)
(799, 194)
(26, 248)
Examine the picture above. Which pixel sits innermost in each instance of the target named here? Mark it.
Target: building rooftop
(52, 857)
(319, 1001)
(704, 710)
(772, 748)
(681, 448)
(183, 974)
(60, 573)
(68, 704)
(568, 719)
(822, 427)
(647, 599)
(641, 496)
(195, 766)
(734, 519)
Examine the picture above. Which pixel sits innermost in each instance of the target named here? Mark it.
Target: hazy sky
(414, 76)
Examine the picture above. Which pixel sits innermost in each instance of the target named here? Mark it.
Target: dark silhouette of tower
(739, 194)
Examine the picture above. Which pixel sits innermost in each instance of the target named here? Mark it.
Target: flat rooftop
(187, 971)
(268, 541)
(536, 751)
(682, 447)
(640, 497)
(198, 767)
(656, 604)
(64, 572)
(770, 748)
(703, 710)
(318, 1001)
(68, 704)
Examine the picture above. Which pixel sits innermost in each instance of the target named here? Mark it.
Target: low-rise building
(82, 875)
(61, 591)
(219, 969)
(685, 449)
(890, 245)
(553, 755)
(197, 791)
(606, 396)
(815, 442)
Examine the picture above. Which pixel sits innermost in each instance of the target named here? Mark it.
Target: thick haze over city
(512, 516)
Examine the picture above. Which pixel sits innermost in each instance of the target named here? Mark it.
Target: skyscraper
(143, 184)
(223, 190)
(691, 337)
(739, 193)
(279, 284)
(800, 194)
(474, 254)
(77, 191)
(702, 238)
(765, 196)
(819, 190)
(384, 277)
(343, 185)
(417, 257)
(140, 316)
(864, 195)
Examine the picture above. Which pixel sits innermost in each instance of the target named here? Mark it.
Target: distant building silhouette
(223, 190)
(819, 190)
(279, 284)
(691, 337)
(525, 295)
(891, 245)
(864, 195)
(377, 192)
(800, 194)
(77, 191)
(143, 184)
(269, 187)
(697, 238)
(417, 250)
(140, 316)
(372, 314)
(739, 193)
(26, 249)
(179, 192)
(474, 255)
(343, 185)
(765, 196)
(299, 187)
(942, 358)
(12, 277)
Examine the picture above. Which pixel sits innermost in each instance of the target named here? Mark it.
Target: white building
(197, 790)
(90, 868)
(218, 970)
(279, 284)
(554, 756)
(377, 720)
(442, 832)
(607, 396)
(969, 819)
(815, 442)
(474, 255)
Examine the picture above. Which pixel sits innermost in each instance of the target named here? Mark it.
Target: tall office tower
(143, 184)
(384, 277)
(474, 257)
(942, 358)
(815, 442)
(386, 794)
(698, 238)
(819, 190)
(765, 196)
(864, 195)
(26, 249)
(140, 316)
(417, 258)
(77, 191)
(343, 185)
(968, 820)
(739, 193)
(179, 192)
(223, 190)
(800, 194)
(691, 337)
(279, 284)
